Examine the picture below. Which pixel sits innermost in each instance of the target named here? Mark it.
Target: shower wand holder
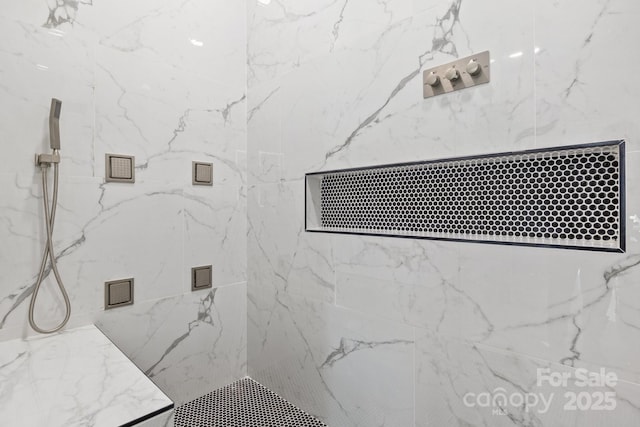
(47, 159)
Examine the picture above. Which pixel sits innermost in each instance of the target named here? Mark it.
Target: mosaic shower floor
(244, 403)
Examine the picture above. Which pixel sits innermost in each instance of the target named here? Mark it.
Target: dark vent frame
(316, 206)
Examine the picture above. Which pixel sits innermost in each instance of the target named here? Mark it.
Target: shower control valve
(473, 68)
(452, 74)
(432, 79)
(463, 73)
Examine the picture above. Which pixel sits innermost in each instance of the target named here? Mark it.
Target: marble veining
(102, 211)
(64, 11)
(609, 290)
(441, 43)
(188, 344)
(204, 315)
(74, 378)
(348, 346)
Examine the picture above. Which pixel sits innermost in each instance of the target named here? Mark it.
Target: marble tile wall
(364, 331)
(359, 331)
(163, 81)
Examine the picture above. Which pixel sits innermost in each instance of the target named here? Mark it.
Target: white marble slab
(74, 378)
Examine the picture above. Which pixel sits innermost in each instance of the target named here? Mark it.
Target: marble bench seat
(76, 378)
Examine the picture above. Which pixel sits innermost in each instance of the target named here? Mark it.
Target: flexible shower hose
(49, 220)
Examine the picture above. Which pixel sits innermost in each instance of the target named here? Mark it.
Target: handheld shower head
(54, 123)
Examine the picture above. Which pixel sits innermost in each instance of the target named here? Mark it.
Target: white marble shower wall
(163, 81)
(364, 331)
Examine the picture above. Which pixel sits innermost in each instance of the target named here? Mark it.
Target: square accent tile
(119, 168)
(202, 173)
(201, 277)
(118, 293)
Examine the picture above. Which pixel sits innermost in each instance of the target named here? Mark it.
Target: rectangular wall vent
(565, 197)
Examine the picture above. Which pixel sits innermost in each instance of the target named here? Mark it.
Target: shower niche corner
(313, 202)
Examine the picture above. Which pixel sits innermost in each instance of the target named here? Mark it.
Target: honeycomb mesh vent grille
(567, 197)
(244, 403)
